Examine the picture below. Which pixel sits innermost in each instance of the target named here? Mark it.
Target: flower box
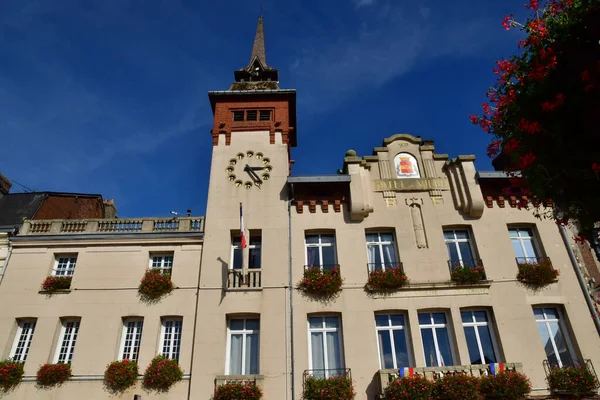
(573, 381)
(11, 374)
(464, 275)
(388, 280)
(456, 387)
(161, 374)
(319, 282)
(52, 284)
(49, 375)
(120, 375)
(333, 388)
(154, 285)
(507, 385)
(536, 275)
(409, 388)
(238, 390)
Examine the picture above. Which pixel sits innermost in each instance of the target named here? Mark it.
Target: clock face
(249, 169)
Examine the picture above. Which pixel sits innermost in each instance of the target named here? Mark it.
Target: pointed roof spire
(258, 50)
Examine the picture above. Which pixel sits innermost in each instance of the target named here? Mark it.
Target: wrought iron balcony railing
(585, 364)
(323, 267)
(371, 267)
(387, 375)
(532, 260)
(470, 263)
(237, 280)
(326, 373)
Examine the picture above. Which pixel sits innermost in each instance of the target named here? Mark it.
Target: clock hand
(252, 174)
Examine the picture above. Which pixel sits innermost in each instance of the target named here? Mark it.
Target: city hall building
(236, 312)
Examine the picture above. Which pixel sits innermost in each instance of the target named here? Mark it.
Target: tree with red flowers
(542, 112)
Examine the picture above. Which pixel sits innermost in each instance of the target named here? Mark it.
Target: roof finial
(258, 50)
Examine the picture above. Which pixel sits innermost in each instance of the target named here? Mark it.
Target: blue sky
(110, 96)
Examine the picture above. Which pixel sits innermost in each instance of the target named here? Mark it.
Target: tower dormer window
(238, 115)
(265, 115)
(251, 115)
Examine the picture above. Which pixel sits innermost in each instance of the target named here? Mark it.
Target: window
(64, 265)
(23, 338)
(325, 346)
(320, 250)
(243, 346)
(391, 341)
(237, 253)
(436, 340)
(478, 331)
(66, 341)
(381, 250)
(554, 336)
(524, 244)
(163, 263)
(264, 115)
(251, 115)
(171, 338)
(131, 338)
(238, 115)
(460, 248)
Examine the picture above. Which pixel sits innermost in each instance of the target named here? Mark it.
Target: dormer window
(265, 115)
(252, 115)
(238, 115)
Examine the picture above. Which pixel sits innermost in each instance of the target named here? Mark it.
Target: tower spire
(258, 49)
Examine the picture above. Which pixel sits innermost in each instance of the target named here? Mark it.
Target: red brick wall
(223, 118)
(70, 207)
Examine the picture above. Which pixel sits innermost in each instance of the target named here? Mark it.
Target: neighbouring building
(237, 314)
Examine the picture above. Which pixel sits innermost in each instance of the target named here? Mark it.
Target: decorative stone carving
(416, 215)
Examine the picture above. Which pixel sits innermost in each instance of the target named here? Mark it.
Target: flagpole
(243, 244)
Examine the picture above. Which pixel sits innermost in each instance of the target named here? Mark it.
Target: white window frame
(475, 324)
(390, 329)
(320, 246)
(533, 238)
(172, 327)
(70, 264)
(25, 331)
(244, 332)
(455, 241)
(324, 331)
(163, 263)
(132, 331)
(69, 331)
(250, 245)
(379, 244)
(563, 330)
(433, 326)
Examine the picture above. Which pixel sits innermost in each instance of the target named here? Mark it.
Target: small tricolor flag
(407, 372)
(243, 240)
(496, 368)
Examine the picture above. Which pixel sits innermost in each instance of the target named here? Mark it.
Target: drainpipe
(6, 261)
(584, 289)
(291, 288)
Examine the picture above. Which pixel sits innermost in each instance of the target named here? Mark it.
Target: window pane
(429, 347)
(251, 115)
(387, 237)
(327, 239)
(480, 316)
(462, 235)
(401, 350)
(466, 316)
(334, 357)
(453, 253)
(254, 257)
(425, 319)
(251, 354)
(539, 313)
(236, 324)
(372, 237)
(235, 358)
(517, 248)
(328, 255)
(472, 345)
(551, 313)
(381, 320)
(385, 349)
(444, 345)
(397, 320)
(465, 253)
(332, 322)
(312, 239)
(525, 233)
(448, 235)
(439, 318)
(513, 233)
(561, 345)
(252, 324)
(317, 351)
(486, 344)
(237, 259)
(312, 256)
(373, 256)
(552, 359)
(389, 254)
(529, 250)
(315, 322)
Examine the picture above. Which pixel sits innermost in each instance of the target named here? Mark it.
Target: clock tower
(253, 131)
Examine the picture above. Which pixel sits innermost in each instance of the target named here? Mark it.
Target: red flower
(507, 22)
(596, 168)
(533, 5)
(511, 145)
(494, 148)
(474, 119)
(526, 160)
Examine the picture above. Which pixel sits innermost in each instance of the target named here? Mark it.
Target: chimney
(5, 185)
(110, 210)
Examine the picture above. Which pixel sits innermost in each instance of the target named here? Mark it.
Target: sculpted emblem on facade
(406, 166)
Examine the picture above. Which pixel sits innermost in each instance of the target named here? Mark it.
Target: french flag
(407, 372)
(496, 368)
(243, 240)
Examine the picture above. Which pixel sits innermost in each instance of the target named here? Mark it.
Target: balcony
(386, 375)
(372, 267)
(575, 381)
(466, 272)
(251, 280)
(112, 226)
(222, 379)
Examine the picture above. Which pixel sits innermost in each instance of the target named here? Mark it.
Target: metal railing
(323, 267)
(386, 376)
(252, 279)
(325, 373)
(469, 263)
(245, 379)
(532, 260)
(585, 364)
(372, 267)
(110, 226)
